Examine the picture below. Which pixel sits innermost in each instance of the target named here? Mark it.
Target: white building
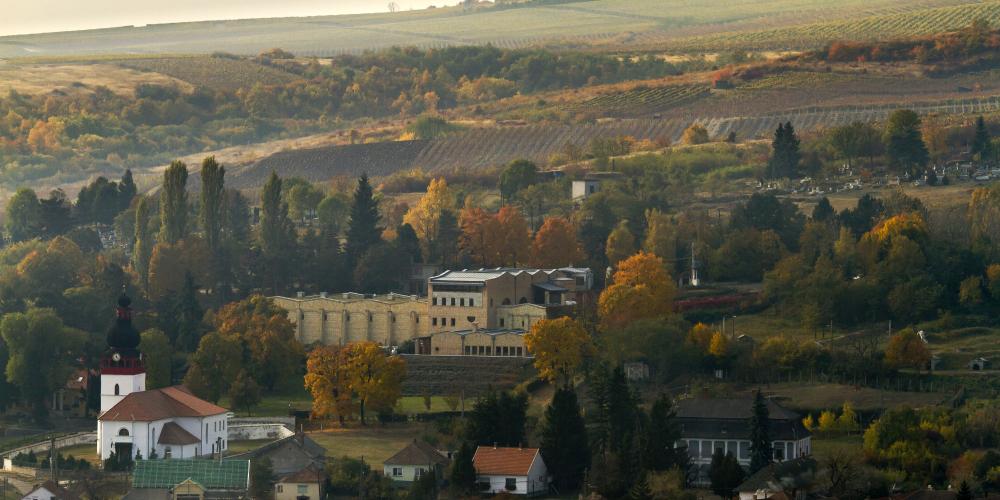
(415, 461)
(161, 423)
(518, 471)
(50, 491)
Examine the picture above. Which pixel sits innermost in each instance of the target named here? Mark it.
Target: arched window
(123, 432)
(524, 300)
(117, 390)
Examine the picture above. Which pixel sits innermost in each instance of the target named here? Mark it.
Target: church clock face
(116, 356)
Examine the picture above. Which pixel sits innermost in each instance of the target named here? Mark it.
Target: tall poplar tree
(212, 202)
(173, 203)
(143, 246)
(277, 234)
(363, 230)
(760, 437)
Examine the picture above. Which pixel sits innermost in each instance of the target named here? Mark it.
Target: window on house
(167, 452)
(501, 322)
(779, 451)
(397, 471)
(303, 489)
(206, 432)
(461, 302)
(417, 474)
(279, 488)
(123, 432)
(744, 450)
(434, 301)
(489, 350)
(117, 390)
(510, 483)
(519, 352)
(453, 301)
(434, 321)
(452, 321)
(472, 302)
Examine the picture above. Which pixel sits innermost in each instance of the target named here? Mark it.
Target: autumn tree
(661, 235)
(500, 239)
(357, 377)
(513, 242)
(173, 203)
(271, 353)
(479, 230)
(907, 350)
(695, 134)
(425, 216)
(244, 393)
(621, 244)
(641, 288)
(555, 245)
(559, 346)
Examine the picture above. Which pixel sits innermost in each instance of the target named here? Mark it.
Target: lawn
(374, 443)
(237, 447)
(823, 447)
(277, 405)
(87, 452)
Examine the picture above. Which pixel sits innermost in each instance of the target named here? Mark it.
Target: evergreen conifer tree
(564, 439)
(363, 230)
(981, 141)
(662, 432)
(463, 472)
(760, 438)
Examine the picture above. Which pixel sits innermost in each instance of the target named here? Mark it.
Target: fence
(61, 442)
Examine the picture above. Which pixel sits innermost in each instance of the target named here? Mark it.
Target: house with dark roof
(49, 490)
(414, 461)
(288, 455)
(708, 425)
(789, 480)
(137, 422)
(305, 484)
(517, 471)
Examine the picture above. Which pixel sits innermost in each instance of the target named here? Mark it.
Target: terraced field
(641, 100)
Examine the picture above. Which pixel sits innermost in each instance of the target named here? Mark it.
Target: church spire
(122, 336)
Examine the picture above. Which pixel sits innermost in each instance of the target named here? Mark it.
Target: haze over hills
(602, 24)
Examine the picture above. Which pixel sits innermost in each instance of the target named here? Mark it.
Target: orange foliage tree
(500, 239)
(273, 353)
(907, 350)
(351, 379)
(641, 288)
(556, 244)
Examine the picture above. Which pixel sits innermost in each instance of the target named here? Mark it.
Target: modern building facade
(338, 319)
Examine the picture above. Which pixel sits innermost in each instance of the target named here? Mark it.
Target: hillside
(607, 24)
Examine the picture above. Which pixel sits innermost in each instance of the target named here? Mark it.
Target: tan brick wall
(336, 321)
(477, 344)
(506, 289)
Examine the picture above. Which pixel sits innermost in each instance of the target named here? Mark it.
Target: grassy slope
(608, 23)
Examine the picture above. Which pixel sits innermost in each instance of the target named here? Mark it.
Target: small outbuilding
(979, 364)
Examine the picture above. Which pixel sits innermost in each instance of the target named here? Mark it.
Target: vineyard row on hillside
(486, 147)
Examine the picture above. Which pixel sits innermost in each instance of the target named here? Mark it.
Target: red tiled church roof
(158, 404)
(175, 434)
(504, 461)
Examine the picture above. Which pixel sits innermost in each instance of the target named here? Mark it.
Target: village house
(305, 484)
(338, 319)
(708, 425)
(288, 455)
(591, 184)
(414, 461)
(517, 471)
(136, 423)
(50, 491)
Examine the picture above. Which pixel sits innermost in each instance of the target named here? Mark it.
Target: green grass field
(820, 395)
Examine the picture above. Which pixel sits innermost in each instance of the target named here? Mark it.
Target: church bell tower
(123, 369)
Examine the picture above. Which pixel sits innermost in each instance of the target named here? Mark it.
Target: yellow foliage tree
(555, 244)
(719, 346)
(559, 346)
(661, 236)
(353, 378)
(695, 134)
(641, 288)
(424, 216)
(701, 335)
(827, 421)
(809, 422)
(848, 419)
(328, 381)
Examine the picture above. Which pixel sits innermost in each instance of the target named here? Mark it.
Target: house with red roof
(169, 422)
(517, 471)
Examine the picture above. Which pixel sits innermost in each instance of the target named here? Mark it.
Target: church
(170, 422)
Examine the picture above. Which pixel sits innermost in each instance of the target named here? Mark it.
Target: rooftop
(418, 452)
(504, 461)
(354, 297)
(309, 474)
(483, 275)
(740, 409)
(485, 331)
(212, 474)
(176, 435)
(158, 404)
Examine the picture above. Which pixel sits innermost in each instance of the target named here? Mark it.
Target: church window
(117, 390)
(123, 432)
(166, 452)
